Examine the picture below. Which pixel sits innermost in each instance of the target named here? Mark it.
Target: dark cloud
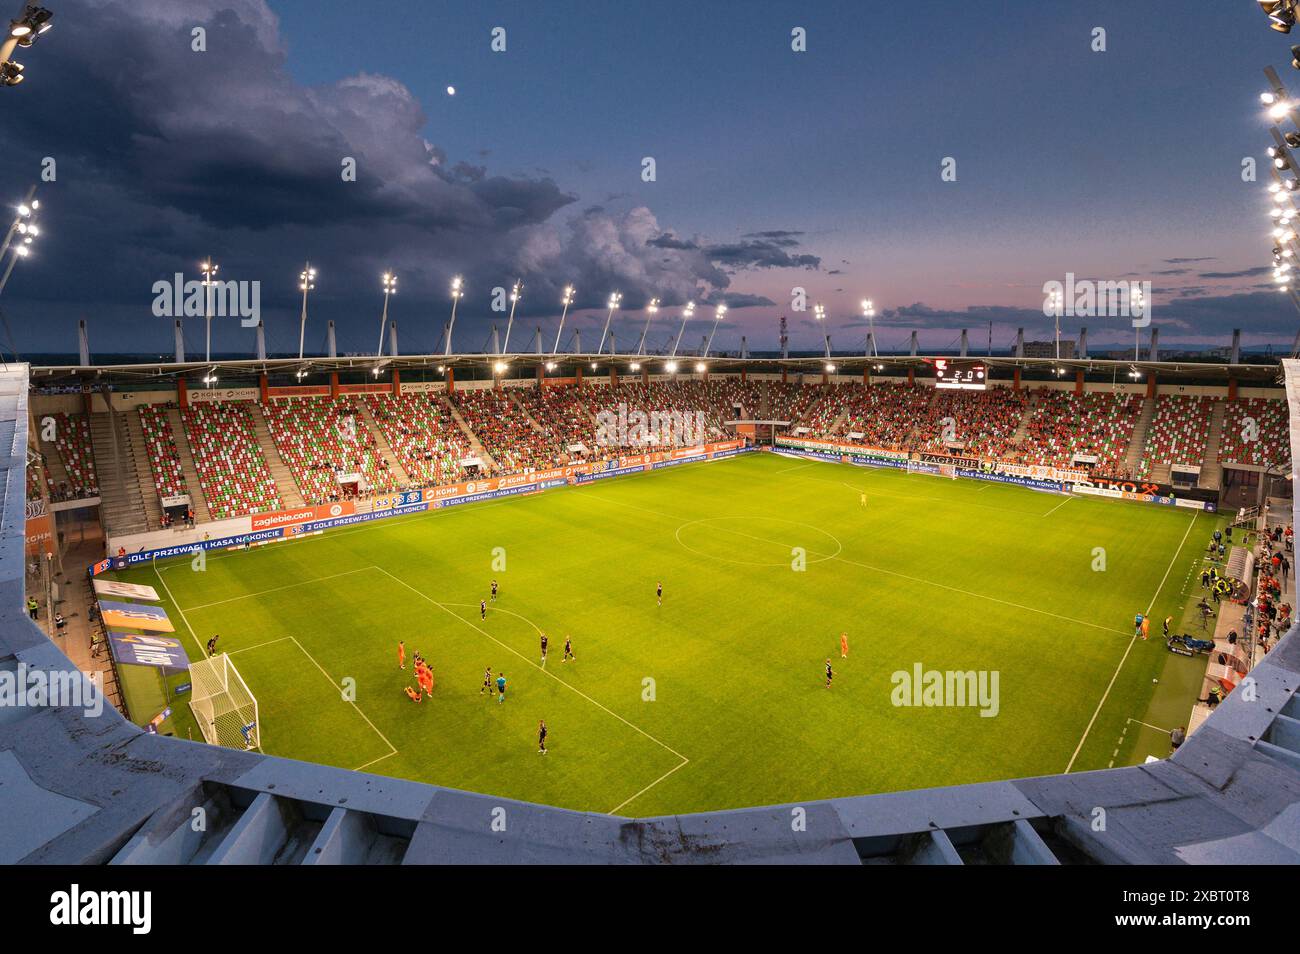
(1244, 273)
(166, 155)
(1189, 261)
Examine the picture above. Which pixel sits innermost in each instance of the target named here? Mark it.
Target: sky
(774, 170)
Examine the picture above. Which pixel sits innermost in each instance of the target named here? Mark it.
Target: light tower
(514, 300)
(306, 282)
(614, 299)
(209, 269)
(687, 314)
(390, 288)
(566, 301)
(718, 314)
(869, 313)
(650, 311)
(457, 290)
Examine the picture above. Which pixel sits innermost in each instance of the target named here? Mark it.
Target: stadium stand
(984, 421)
(1178, 434)
(72, 442)
(160, 447)
(423, 436)
(886, 414)
(1265, 444)
(562, 415)
(790, 402)
(232, 471)
(321, 439)
(1097, 423)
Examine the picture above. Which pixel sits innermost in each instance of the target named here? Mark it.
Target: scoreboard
(961, 375)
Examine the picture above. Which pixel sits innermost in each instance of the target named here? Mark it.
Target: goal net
(226, 711)
(933, 470)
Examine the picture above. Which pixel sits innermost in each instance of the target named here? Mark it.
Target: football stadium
(623, 563)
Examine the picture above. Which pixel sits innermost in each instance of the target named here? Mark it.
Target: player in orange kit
(401, 654)
(844, 645)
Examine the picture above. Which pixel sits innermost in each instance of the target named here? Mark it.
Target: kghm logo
(1088, 299)
(208, 298)
(76, 907)
(951, 688)
(637, 428)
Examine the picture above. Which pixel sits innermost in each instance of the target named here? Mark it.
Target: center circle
(739, 532)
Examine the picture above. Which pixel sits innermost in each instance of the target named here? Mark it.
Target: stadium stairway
(1211, 469)
(524, 411)
(119, 485)
(381, 444)
(148, 491)
(1133, 458)
(1022, 429)
(285, 485)
(475, 444)
(198, 502)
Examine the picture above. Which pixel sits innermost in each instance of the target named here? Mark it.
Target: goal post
(223, 705)
(933, 470)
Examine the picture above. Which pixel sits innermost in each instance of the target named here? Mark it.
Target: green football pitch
(717, 698)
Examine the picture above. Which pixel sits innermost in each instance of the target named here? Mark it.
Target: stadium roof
(844, 364)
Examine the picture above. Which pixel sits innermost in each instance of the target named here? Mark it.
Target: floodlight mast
(306, 282)
(457, 290)
(687, 313)
(209, 269)
(565, 302)
(614, 299)
(650, 311)
(390, 288)
(514, 300)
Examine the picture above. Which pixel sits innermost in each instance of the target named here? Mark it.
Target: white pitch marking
(1129, 648)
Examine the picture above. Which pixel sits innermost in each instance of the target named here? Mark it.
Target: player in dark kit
(212, 645)
(494, 591)
(541, 737)
(659, 593)
(830, 673)
(487, 682)
(568, 650)
(482, 609)
(544, 644)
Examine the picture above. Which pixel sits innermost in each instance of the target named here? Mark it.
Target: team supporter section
(512, 443)
(1179, 431)
(423, 435)
(1097, 424)
(160, 448)
(33, 483)
(885, 414)
(232, 472)
(72, 441)
(322, 439)
(985, 421)
(1269, 446)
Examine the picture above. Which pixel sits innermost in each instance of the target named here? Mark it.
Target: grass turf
(716, 699)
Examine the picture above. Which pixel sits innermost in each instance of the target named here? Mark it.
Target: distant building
(1047, 349)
